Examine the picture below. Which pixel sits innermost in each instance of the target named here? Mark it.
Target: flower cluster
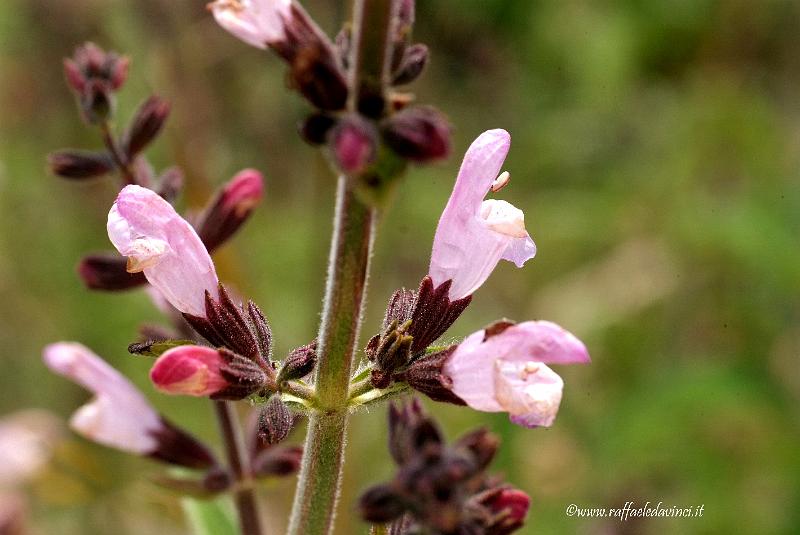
(442, 489)
(220, 346)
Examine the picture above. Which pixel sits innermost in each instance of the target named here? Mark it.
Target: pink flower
(474, 234)
(505, 371)
(119, 416)
(190, 371)
(256, 22)
(161, 244)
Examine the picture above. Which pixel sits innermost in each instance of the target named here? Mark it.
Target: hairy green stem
(244, 496)
(351, 246)
(318, 486)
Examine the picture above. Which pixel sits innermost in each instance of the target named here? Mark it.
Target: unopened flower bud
(107, 272)
(353, 145)
(381, 504)
(314, 130)
(506, 507)
(189, 370)
(420, 134)
(146, 125)
(411, 65)
(78, 164)
(278, 462)
(230, 208)
(299, 363)
(274, 422)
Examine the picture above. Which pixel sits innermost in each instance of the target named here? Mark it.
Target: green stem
(351, 246)
(318, 486)
(238, 460)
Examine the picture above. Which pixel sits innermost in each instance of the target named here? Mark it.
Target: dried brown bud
(420, 134)
(274, 422)
(146, 125)
(79, 164)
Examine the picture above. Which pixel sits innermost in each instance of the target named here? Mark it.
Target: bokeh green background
(656, 153)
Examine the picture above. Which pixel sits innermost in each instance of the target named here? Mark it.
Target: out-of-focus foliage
(656, 152)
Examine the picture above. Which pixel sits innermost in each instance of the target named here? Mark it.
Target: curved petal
(520, 250)
(537, 341)
(256, 22)
(464, 248)
(471, 370)
(530, 392)
(120, 416)
(165, 247)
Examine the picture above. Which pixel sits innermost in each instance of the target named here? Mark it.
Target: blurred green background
(656, 153)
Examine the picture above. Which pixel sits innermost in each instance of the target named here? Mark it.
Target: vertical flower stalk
(354, 226)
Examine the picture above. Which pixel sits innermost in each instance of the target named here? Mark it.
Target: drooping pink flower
(190, 371)
(256, 22)
(506, 371)
(475, 234)
(164, 246)
(119, 416)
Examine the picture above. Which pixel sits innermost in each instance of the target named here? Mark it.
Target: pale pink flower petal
(190, 371)
(530, 392)
(506, 373)
(474, 235)
(119, 416)
(160, 243)
(256, 22)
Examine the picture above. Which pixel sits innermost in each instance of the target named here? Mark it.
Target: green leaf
(156, 348)
(209, 517)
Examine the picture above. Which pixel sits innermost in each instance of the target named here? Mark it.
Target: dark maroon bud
(230, 208)
(74, 75)
(400, 307)
(118, 70)
(146, 125)
(280, 461)
(299, 363)
(354, 144)
(414, 60)
(274, 422)
(391, 352)
(176, 446)
(108, 272)
(244, 377)
(262, 332)
(217, 480)
(79, 163)
(97, 101)
(381, 504)
(482, 445)
(226, 326)
(314, 130)
(420, 134)
(410, 431)
(425, 375)
(170, 184)
(315, 67)
(433, 313)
